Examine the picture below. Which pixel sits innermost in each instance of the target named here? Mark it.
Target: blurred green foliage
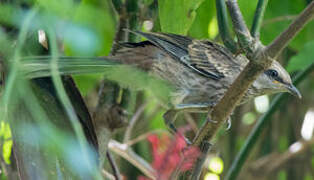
(204, 15)
(303, 59)
(177, 16)
(6, 141)
(87, 28)
(277, 19)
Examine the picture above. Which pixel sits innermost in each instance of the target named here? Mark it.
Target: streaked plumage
(201, 71)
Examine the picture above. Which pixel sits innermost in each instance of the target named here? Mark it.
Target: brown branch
(133, 121)
(144, 136)
(226, 105)
(188, 117)
(107, 175)
(245, 39)
(238, 88)
(260, 59)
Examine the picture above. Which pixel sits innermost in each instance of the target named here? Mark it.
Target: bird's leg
(202, 107)
(171, 115)
(209, 119)
(228, 121)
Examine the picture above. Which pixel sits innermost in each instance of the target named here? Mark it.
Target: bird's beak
(294, 91)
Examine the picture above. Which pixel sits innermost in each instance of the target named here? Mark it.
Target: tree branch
(260, 60)
(145, 135)
(260, 125)
(132, 122)
(235, 93)
(226, 105)
(107, 175)
(244, 37)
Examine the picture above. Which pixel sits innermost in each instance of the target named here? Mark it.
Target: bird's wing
(210, 57)
(191, 53)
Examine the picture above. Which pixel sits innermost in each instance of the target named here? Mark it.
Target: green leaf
(248, 10)
(100, 34)
(278, 16)
(204, 15)
(303, 59)
(177, 16)
(5, 133)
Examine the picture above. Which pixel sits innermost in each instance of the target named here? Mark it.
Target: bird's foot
(174, 129)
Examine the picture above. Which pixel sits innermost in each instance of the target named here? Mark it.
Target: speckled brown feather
(201, 71)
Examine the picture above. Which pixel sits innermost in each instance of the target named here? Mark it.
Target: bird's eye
(273, 73)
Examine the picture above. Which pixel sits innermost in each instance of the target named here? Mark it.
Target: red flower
(170, 155)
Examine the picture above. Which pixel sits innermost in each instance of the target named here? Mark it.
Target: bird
(201, 71)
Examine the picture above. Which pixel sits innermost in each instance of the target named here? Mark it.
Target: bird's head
(276, 79)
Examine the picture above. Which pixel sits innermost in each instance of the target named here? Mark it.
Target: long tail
(40, 66)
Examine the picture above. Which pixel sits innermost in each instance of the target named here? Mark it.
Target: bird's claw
(187, 141)
(211, 121)
(229, 123)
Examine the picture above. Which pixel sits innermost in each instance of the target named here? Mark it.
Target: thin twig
(278, 19)
(113, 164)
(191, 121)
(128, 154)
(133, 121)
(144, 136)
(107, 175)
(285, 37)
(258, 17)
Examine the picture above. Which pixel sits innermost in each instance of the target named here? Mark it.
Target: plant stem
(66, 103)
(114, 166)
(244, 37)
(258, 17)
(258, 128)
(223, 26)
